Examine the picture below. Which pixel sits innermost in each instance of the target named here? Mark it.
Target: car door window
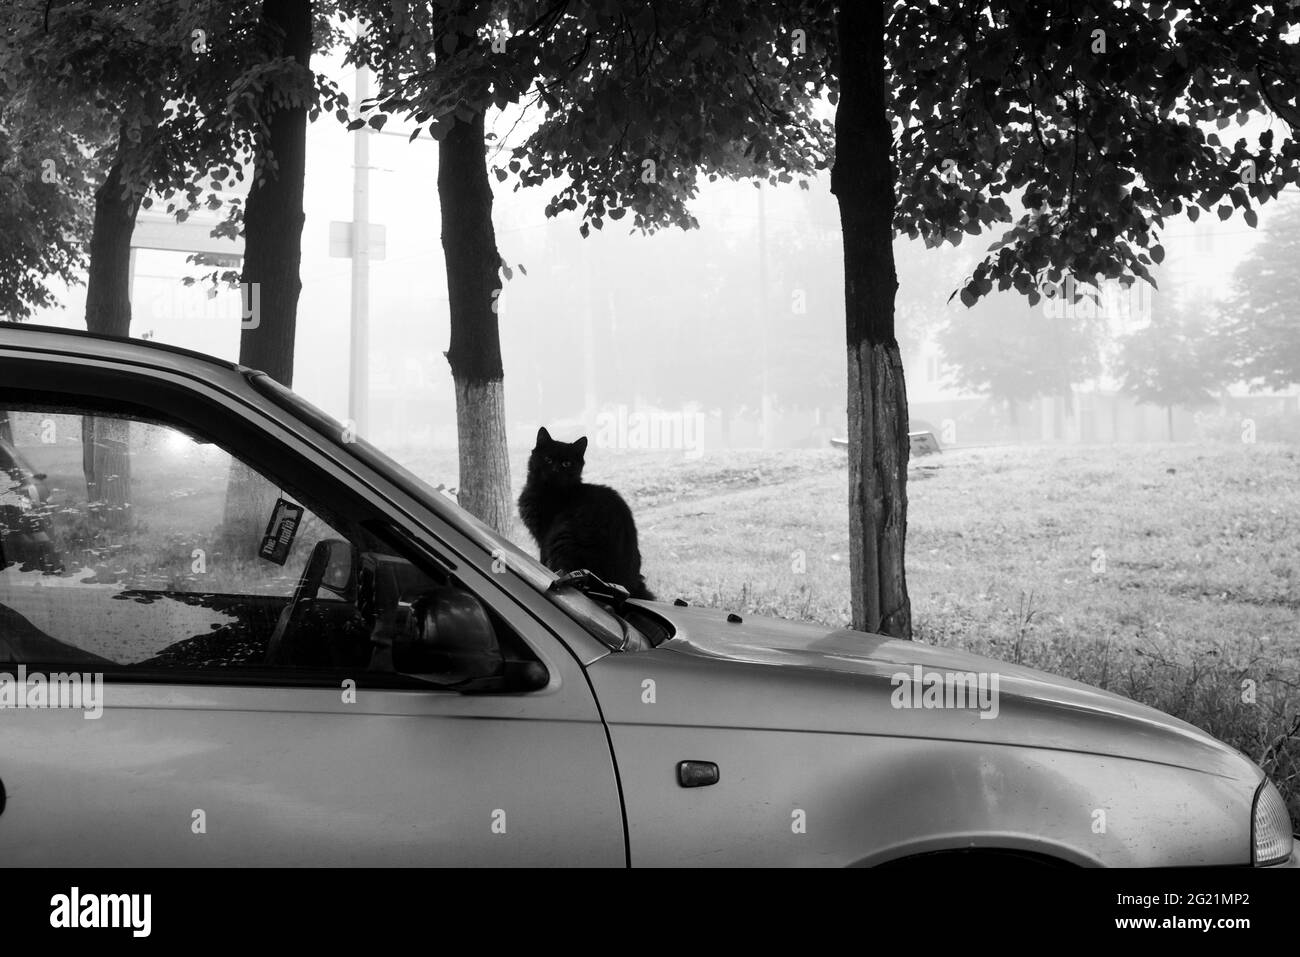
(136, 546)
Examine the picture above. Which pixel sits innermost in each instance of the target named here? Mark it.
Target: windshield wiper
(593, 586)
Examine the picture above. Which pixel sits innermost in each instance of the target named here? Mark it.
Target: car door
(195, 750)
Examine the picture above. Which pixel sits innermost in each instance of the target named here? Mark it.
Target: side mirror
(451, 639)
(339, 574)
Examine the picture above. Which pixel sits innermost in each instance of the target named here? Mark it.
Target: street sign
(191, 236)
(341, 240)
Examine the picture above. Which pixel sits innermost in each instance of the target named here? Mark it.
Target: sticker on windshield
(280, 532)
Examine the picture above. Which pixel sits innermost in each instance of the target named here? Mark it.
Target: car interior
(364, 603)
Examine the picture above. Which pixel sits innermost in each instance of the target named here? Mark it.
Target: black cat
(577, 525)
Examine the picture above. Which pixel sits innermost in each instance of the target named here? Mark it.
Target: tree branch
(1288, 113)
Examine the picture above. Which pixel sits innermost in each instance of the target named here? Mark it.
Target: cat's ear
(581, 445)
(543, 437)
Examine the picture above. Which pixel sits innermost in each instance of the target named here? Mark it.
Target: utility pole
(359, 362)
(765, 425)
(589, 333)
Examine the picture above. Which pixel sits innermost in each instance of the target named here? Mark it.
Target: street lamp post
(359, 365)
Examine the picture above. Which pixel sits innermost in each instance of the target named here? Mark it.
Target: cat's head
(556, 463)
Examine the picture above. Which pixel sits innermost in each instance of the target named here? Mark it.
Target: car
(273, 644)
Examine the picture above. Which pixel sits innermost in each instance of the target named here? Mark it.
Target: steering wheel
(321, 562)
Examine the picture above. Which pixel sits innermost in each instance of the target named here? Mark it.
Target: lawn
(1167, 573)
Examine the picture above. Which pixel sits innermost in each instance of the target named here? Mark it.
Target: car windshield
(610, 628)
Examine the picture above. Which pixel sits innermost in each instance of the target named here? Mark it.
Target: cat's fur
(577, 525)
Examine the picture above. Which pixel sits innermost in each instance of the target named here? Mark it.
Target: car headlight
(1270, 826)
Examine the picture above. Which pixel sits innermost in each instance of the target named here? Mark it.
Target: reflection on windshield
(600, 622)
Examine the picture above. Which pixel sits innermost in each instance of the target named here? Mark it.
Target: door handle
(697, 774)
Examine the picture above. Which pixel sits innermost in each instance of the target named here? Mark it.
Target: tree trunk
(469, 247)
(108, 293)
(273, 221)
(863, 183)
(106, 442)
(273, 215)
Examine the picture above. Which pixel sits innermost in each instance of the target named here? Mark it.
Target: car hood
(770, 673)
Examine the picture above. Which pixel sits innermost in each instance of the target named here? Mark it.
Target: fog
(731, 335)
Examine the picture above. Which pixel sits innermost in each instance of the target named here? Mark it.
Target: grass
(1166, 573)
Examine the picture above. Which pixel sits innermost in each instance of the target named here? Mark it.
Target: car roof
(78, 342)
